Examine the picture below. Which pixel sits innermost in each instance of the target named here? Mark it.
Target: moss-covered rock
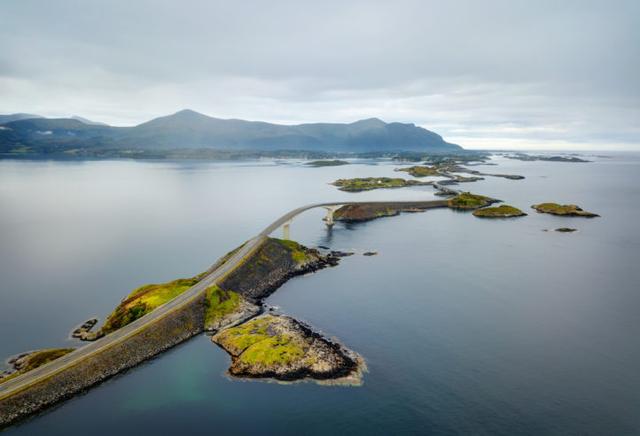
(467, 200)
(279, 347)
(224, 308)
(563, 210)
(502, 211)
(32, 360)
(370, 183)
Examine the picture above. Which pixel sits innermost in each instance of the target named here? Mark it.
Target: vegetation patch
(467, 200)
(563, 210)
(29, 361)
(144, 300)
(370, 183)
(277, 346)
(502, 211)
(299, 253)
(220, 303)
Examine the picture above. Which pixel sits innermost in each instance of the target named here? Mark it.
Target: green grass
(502, 211)
(145, 299)
(297, 251)
(239, 338)
(370, 183)
(467, 200)
(220, 303)
(279, 349)
(421, 171)
(256, 343)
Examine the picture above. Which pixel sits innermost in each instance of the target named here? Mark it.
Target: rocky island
(370, 183)
(502, 211)
(563, 210)
(353, 213)
(281, 348)
(421, 171)
(469, 201)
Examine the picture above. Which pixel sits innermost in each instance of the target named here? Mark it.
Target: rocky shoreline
(275, 346)
(281, 348)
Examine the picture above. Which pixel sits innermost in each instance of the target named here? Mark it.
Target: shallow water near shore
(467, 325)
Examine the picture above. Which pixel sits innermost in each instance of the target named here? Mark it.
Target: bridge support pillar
(286, 230)
(328, 219)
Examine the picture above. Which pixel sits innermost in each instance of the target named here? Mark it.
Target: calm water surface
(467, 325)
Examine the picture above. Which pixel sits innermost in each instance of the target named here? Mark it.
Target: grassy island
(563, 210)
(370, 183)
(143, 300)
(467, 200)
(28, 361)
(502, 211)
(421, 171)
(327, 163)
(277, 346)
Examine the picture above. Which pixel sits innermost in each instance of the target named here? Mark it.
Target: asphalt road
(23, 381)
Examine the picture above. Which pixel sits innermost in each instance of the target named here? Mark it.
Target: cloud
(554, 72)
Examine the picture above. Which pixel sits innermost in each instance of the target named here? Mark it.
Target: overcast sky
(490, 74)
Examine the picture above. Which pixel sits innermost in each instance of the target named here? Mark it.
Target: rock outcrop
(353, 213)
(281, 348)
(502, 211)
(271, 265)
(563, 210)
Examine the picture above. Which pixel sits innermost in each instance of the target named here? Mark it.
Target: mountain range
(188, 129)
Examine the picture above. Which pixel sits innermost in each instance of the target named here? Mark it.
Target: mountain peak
(188, 113)
(373, 122)
(86, 121)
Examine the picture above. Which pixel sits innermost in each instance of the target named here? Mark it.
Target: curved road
(23, 381)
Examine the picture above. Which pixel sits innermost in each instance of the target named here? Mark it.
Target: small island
(421, 171)
(370, 183)
(563, 210)
(327, 163)
(469, 201)
(354, 213)
(282, 348)
(141, 301)
(32, 360)
(531, 158)
(502, 211)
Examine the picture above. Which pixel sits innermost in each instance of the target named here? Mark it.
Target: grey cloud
(542, 70)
